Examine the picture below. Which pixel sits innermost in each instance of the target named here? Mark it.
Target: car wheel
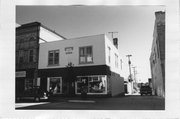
(36, 99)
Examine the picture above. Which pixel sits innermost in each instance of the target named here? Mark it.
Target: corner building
(157, 58)
(91, 62)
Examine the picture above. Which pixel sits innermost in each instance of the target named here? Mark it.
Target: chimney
(115, 42)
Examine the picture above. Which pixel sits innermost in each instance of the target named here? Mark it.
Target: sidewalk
(134, 94)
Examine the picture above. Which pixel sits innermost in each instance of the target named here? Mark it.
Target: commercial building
(66, 66)
(28, 37)
(91, 62)
(157, 58)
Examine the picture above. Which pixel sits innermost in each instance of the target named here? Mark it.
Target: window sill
(86, 63)
(52, 65)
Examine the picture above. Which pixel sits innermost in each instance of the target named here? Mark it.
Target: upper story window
(85, 55)
(31, 54)
(109, 54)
(53, 57)
(21, 56)
(116, 60)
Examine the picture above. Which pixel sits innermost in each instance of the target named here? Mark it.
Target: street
(128, 102)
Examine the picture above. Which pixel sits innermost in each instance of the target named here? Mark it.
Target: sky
(134, 24)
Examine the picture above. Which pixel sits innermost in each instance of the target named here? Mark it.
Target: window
(21, 56)
(109, 54)
(116, 60)
(31, 56)
(53, 58)
(28, 83)
(96, 84)
(85, 55)
(54, 85)
(17, 56)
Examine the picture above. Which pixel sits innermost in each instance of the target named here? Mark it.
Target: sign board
(68, 50)
(21, 74)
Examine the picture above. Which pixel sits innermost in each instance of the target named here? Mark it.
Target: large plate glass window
(54, 85)
(95, 84)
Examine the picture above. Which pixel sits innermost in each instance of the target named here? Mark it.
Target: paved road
(130, 102)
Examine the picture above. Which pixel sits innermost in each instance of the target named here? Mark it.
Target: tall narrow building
(157, 58)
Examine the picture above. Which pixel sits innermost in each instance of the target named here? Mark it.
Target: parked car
(145, 90)
(35, 94)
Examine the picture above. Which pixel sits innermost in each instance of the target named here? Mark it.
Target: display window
(93, 84)
(28, 83)
(55, 85)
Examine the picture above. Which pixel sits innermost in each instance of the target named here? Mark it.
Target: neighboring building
(157, 58)
(28, 37)
(91, 63)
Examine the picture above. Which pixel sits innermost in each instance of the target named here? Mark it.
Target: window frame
(53, 57)
(116, 60)
(109, 54)
(31, 55)
(88, 82)
(85, 54)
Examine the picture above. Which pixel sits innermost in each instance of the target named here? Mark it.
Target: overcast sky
(134, 24)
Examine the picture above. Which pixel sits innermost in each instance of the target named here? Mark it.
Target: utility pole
(129, 62)
(113, 33)
(130, 78)
(134, 69)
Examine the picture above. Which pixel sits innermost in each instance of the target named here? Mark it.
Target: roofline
(52, 31)
(29, 24)
(38, 24)
(72, 38)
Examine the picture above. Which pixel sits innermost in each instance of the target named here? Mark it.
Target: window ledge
(86, 63)
(51, 65)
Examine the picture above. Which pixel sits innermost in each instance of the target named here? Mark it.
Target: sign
(68, 50)
(21, 74)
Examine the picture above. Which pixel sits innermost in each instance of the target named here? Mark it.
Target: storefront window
(55, 85)
(94, 84)
(28, 84)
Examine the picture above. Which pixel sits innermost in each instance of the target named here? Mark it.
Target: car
(146, 90)
(35, 94)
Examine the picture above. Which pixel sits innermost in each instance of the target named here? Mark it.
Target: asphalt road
(130, 102)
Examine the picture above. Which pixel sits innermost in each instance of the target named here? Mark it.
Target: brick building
(28, 37)
(157, 58)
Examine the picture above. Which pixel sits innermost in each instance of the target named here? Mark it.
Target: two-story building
(90, 62)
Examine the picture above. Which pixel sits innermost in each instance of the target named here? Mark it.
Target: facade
(28, 37)
(157, 58)
(91, 63)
